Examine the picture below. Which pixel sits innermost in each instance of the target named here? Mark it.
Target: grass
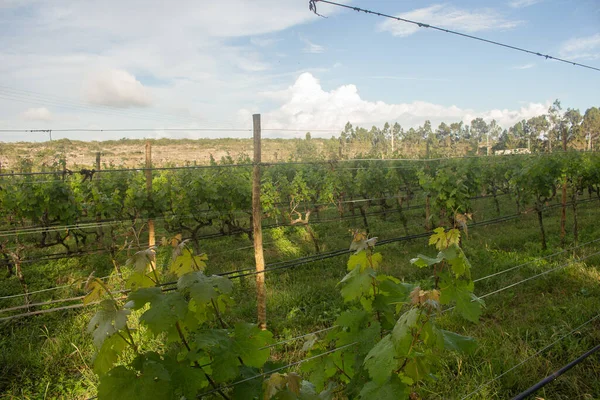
(48, 356)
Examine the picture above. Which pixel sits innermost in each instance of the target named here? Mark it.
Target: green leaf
(141, 260)
(201, 288)
(355, 285)
(417, 369)
(438, 238)
(138, 298)
(461, 292)
(96, 289)
(108, 354)
(138, 280)
(392, 389)
(458, 261)
(152, 381)
(187, 381)
(454, 341)
(164, 312)
(358, 261)
(402, 332)
(251, 389)
(381, 361)
(422, 261)
(187, 262)
(107, 321)
(248, 341)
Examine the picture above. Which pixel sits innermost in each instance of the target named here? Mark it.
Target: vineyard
(470, 277)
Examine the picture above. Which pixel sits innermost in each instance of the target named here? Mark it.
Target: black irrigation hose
(555, 374)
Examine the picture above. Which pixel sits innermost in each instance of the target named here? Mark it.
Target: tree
(538, 128)
(591, 126)
(572, 128)
(479, 131)
(555, 116)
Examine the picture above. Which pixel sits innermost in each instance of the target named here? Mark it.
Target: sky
(201, 65)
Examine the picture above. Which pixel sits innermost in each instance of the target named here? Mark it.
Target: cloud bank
(306, 105)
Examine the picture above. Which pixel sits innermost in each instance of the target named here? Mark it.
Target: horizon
(78, 66)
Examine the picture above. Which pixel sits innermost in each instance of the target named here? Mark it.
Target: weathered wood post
(261, 295)
(148, 171)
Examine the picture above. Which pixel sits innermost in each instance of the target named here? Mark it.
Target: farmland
(539, 283)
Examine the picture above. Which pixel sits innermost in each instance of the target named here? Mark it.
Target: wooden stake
(563, 214)
(151, 239)
(99, 229)
(261, 294)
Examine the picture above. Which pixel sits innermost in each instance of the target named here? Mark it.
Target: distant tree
(479, 131)
(538, 130)
(591, 126)
(572, 128)
(307, 136)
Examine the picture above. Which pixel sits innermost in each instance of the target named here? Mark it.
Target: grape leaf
(417, 369)
(458, 261)
(438, 238)
(141, 260)
(362, 260)
(355, 285)
(248, 342)
(274, 384)
(164, 312)
(251, 389)
(108, 354)
(187, 262)
(422, 261)
(138, 280)
(138, 298)
(186, 380)
(152, 381)
(454, 341)
(95, 291)
(461, 292)
(107, 321)
(381, 361)
(402, 332)
(203, 288)
(393, 389)
(358, 260)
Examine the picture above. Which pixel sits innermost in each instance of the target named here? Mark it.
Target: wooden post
(261, 295)
(99, 229)
(563, 214)
(151, 239)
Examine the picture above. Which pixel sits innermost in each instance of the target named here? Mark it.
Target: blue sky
(196, 64)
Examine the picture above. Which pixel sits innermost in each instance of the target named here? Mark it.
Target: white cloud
(37, 114)
(305, 105)
(263, 42)
(581, 48)
(523, 3)
(312, 48)
(450, 18)
(524, 66)
(116, 88)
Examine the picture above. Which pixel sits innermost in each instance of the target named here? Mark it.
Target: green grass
(47, 356)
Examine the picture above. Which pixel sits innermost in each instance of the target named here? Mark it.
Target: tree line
(542, 133)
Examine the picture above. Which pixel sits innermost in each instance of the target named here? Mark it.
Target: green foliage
(391, 364)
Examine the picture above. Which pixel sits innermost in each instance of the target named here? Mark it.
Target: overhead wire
(312, 4)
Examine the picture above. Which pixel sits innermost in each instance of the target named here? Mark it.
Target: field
(541, 288)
